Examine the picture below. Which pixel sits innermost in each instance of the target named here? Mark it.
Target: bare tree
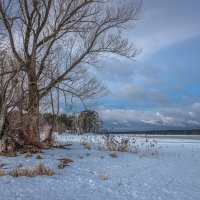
(9, 91)
(52, 38)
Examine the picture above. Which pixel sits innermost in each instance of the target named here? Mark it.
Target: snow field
(173, 173)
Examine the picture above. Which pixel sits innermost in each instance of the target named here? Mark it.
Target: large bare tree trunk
(3, 131)
(2, 119)
(2, 141)
(33, 115)
(2, 122)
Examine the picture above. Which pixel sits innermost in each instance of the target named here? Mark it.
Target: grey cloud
(124, 71)
(141, 94)
(116, 69)
(181, 117)
(149, 83)
(165, 23)
(171, 82)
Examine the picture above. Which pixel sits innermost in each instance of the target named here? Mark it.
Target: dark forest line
(160, 132)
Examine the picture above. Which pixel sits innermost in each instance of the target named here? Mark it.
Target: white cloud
(196, 106)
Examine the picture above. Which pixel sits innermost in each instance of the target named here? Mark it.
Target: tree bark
(33, 112)
(2, 120)
(2, 141)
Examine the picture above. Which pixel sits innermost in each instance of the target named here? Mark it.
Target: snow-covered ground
(172, 173)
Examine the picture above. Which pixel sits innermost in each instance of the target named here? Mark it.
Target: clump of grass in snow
(86, 145)
(113, 154)
(38, 157)
(104, 176)
(19, 166)
(39, 170)
(2, 172)
(27, 155)
(64, 162)
(8, 154)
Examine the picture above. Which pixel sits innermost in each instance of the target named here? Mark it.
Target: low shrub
(113, 144)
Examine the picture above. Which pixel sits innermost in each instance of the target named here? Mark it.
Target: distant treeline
(160, 132)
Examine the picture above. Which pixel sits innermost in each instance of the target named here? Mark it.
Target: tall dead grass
(39, 170)
(113, 144)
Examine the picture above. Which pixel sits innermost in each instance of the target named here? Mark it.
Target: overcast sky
(161, 90)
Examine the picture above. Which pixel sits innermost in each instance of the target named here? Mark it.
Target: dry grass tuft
(19, 166)
(113, 154)
(9, 154)
(2, 172)
(38, 157)
(104, 176)
(64, 162)
(2, 165)
(32, 149)
(39, 170)
(86, 145)
(28, 154)
(113, 144)
(66, 146)
(42, 170)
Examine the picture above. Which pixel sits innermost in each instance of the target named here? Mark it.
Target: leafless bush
(86, 143)
(129, 144)
(116, 145)
(150, 150)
